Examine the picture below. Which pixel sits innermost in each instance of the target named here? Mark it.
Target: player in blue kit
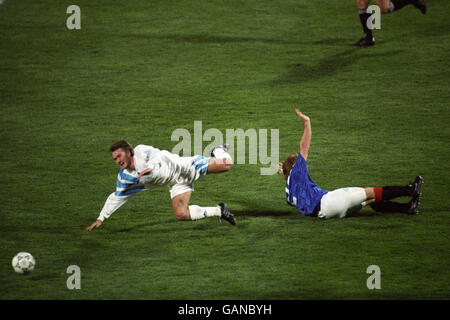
(311, 200)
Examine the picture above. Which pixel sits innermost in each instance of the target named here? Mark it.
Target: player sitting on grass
(147, 167)
(386, 6)
(311, 200)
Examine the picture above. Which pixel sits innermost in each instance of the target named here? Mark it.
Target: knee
(383, 5)
(362, 4)
(370, 193)
(227, 166)
(384, 9)
(220, 165)
(182, 214)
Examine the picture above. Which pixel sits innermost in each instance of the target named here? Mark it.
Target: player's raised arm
(306, 138)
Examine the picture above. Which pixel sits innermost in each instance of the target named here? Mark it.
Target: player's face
(122, 158)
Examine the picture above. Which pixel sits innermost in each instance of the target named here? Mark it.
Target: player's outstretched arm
(306, 138)
(95, 224)
(112, 203)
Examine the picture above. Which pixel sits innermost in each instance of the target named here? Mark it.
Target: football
(23, 263)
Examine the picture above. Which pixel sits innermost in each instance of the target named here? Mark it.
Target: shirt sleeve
(126, 186)
(112, 203)
(145, 157)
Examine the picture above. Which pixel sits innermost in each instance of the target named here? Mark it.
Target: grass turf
(139, 70)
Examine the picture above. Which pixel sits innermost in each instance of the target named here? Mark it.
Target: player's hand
(301, 115)
(96, 224)
(280, 168)
(143, 173)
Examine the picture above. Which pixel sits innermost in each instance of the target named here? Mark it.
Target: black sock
(394, 192)
(363, 16)
(398, 4)
(390, 206)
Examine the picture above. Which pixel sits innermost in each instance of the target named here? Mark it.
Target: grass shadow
(329, 66)
(347, 43)
(141, 226)
(262, 213)
(331, 42)
(208, 38)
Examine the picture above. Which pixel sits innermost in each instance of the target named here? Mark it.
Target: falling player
(386, 6)
(147, 167)
(312, 200)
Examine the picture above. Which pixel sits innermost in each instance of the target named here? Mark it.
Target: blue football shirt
(301, 191)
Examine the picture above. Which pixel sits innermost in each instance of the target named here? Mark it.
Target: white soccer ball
(23, 263)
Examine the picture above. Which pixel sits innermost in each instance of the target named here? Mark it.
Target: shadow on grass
(332, 42)
(262, 213)
(329, 65)
(347, 43)
(145, 225)
(208, 38)
(369, 213)
(283, 214)
(237, 214)
(128, 229)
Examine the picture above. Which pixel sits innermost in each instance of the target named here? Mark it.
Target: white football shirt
(168, 169)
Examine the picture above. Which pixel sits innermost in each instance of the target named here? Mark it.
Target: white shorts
(338, 202)
(200, 166)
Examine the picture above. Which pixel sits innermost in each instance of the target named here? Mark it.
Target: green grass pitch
(141, 69)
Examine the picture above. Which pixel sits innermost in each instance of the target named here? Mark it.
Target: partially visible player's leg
(379, 198)
(391, 206)
(336, 203)
(383, 195)
(220, 160)
(390, 192)
(180, 206)
(219, 165)
(181, 194)
(362, 4)
(386, 6)
(367, 39)
(184, 211)
(395, 5)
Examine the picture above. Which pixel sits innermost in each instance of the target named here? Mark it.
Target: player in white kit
(146, 167)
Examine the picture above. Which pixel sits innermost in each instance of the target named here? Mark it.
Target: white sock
(219, 153)
(391, 6)
(198, 212)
